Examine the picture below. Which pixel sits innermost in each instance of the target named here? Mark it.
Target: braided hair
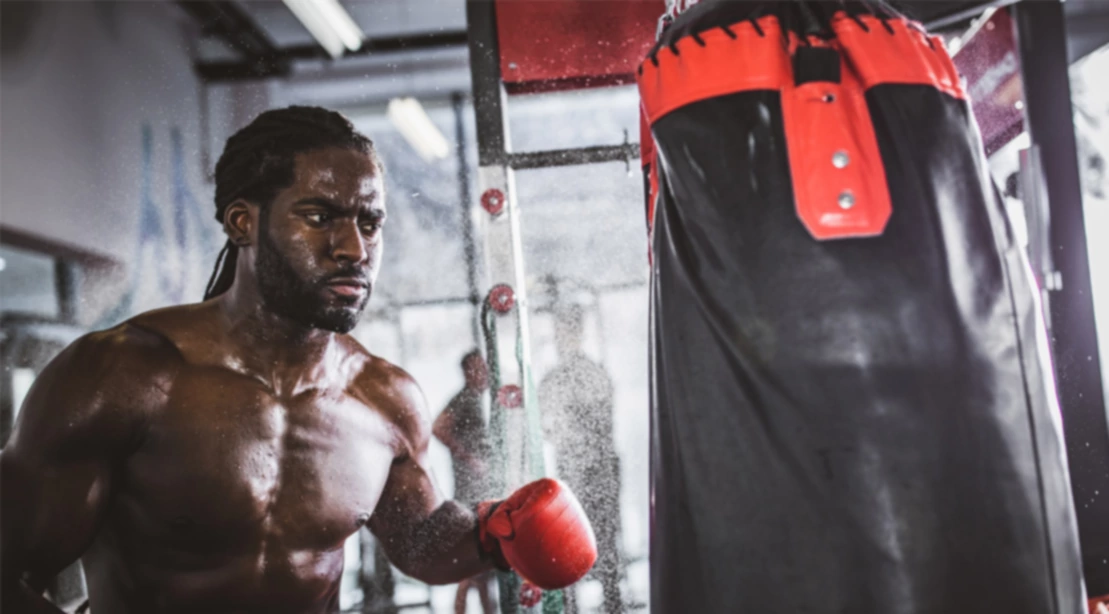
(258, 161)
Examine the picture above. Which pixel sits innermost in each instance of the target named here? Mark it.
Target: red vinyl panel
(550, 45)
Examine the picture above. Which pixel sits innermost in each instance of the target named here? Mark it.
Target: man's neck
(572, 355)
(283, 353)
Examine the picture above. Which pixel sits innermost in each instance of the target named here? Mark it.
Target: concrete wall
(103, 145)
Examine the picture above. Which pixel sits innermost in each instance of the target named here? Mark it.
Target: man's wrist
(489, 549)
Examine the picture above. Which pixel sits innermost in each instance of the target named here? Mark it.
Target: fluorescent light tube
(329, 24)
(341, 22)
(412, 121)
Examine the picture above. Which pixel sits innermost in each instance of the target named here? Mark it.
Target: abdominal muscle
(271, 580)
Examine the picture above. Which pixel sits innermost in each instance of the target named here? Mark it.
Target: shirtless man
(212, 458)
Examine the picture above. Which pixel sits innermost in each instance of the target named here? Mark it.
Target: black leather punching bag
(853, 408)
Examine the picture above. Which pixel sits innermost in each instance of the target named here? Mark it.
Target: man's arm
(443, 428)
(426, 537)
(75, 425)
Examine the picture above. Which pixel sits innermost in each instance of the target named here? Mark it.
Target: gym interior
(522, 182)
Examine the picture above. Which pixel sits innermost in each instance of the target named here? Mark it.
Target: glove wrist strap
(489, 549)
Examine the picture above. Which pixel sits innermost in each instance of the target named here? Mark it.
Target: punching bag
(853, 409)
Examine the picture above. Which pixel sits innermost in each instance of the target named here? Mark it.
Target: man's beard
(286, 294)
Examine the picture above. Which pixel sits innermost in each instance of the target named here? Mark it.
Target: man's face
(477, 375)
(319, 241)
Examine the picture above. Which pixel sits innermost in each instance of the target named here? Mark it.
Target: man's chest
(230, 463)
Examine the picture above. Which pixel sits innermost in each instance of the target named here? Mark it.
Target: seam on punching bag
(650, 173)
(1029, 409)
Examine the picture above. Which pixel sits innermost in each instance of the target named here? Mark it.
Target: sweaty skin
(212, 458)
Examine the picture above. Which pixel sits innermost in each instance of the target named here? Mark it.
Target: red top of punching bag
(572, 44)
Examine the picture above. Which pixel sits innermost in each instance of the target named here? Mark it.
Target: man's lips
(347, 287)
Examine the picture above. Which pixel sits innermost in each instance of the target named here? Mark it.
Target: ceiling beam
(964, 14)
(279, 62)
(231, 24)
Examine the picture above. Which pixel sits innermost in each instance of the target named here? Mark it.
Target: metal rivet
(840, 159)
(846, 199)
(829, 97)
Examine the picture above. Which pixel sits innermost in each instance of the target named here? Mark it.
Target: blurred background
(112, 115)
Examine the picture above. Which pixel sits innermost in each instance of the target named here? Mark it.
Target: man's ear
(240, 221)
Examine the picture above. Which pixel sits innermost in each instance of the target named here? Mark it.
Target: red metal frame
(573, 44)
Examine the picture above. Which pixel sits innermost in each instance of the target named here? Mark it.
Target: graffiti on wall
(176, 238)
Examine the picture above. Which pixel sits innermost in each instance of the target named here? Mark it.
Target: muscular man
(213, 458)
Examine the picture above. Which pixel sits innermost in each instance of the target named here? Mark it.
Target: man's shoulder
(575, 367)
(180, 325)
(101, 387)
(145, 352)
(376, 373)
(393, 391)
(130, 345)
(578, 379)
(466, 398)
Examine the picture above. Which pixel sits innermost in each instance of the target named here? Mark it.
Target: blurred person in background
(576, 398)
(461, 428)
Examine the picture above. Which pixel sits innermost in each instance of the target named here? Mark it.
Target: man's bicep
(50, 512)
(57, 467)
(410, 495)
(443, 427)
(407, 501)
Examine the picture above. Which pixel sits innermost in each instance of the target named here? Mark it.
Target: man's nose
(348, 243)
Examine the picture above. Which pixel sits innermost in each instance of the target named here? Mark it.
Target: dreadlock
(258, 162)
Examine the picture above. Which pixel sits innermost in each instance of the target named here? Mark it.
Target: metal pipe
(1047, 97)
(961, 15)
(567, 157)
(469, 246)
(488, 90)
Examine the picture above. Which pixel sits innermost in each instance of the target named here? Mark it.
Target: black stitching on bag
(923, 34)
(859, 21)
(728, 31)
(887, 26)
(674, 48)
(758, 28)
(697, 37)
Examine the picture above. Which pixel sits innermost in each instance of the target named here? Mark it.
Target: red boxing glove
(541, 532)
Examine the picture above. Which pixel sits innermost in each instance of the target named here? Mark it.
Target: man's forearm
(443, 549)
(460, 560)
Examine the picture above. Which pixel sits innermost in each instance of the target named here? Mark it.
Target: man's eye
(371, 227)
(316, 218)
